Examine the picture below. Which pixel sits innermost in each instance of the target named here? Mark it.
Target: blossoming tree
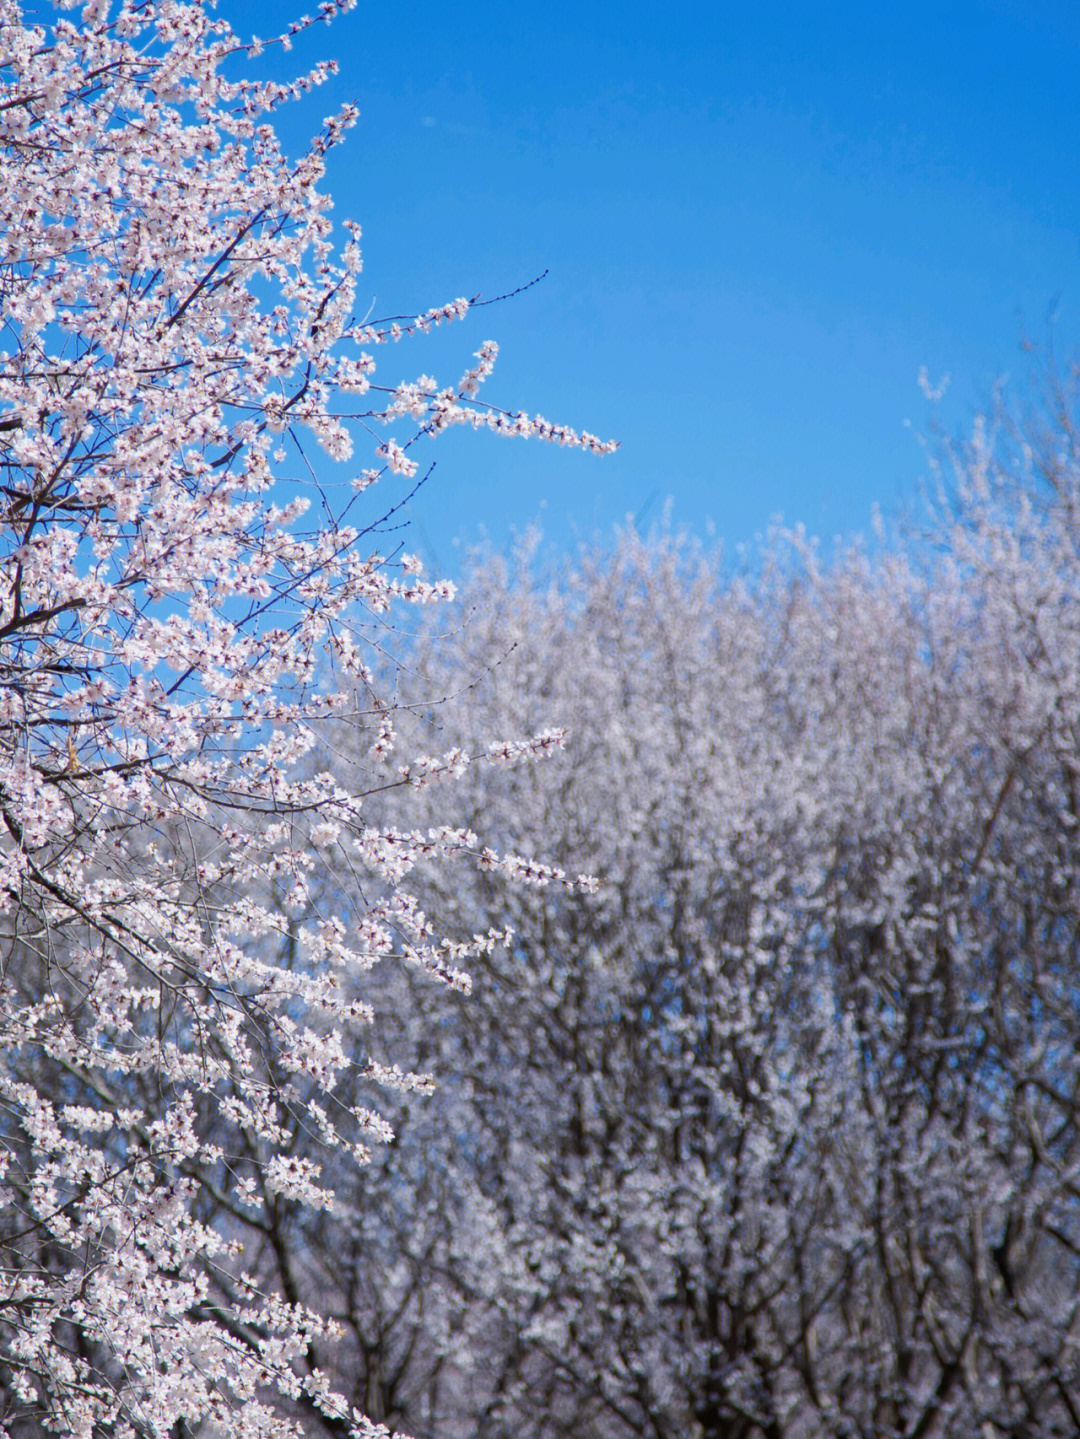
(778, 1132)
(177, 628)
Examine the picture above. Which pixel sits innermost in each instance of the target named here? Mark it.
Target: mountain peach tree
(179, 634)
(777, 1133)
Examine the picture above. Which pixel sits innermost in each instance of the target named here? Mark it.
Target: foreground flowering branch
(175, 320)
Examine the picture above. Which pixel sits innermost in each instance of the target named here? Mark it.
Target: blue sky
(759, 221)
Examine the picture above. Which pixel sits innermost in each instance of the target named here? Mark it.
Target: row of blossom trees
(777, 1133)
(184, 641)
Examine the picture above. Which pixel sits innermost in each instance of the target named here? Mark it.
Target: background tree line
(776, 1133)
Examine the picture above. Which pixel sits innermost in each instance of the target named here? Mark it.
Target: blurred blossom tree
(778, 1132)
(180, 636)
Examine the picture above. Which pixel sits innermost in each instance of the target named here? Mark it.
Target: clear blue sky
(759, 221)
